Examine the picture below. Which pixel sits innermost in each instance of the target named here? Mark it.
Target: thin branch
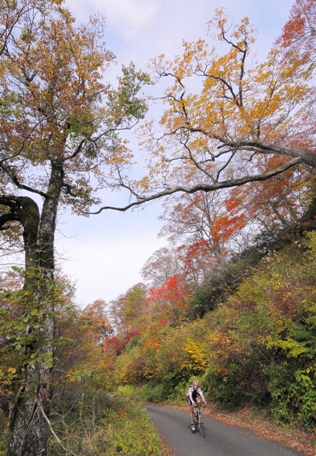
(54, 434)
(191, 157)
(201, 187)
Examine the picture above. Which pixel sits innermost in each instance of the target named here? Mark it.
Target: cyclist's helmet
(195, 383)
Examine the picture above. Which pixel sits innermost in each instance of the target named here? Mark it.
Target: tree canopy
(230, 120)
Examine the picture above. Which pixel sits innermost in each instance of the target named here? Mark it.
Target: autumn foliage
(245, 134)
(232, 298)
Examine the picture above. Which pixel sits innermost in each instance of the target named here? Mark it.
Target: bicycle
(198, 418)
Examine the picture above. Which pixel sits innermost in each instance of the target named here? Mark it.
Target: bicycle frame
(198, 418)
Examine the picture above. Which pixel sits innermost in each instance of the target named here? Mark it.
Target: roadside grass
(98, 424)
(84, 423)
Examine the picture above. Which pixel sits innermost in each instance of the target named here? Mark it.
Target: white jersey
(192, 393)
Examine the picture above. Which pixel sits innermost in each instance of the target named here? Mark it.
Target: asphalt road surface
(220, 439)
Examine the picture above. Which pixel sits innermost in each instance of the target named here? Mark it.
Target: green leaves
(126, 104)
(23, 340)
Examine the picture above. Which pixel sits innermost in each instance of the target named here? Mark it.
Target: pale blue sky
(104, 254)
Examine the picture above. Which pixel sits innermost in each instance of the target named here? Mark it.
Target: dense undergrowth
(86, 423)
(91, 424)
(257, 347)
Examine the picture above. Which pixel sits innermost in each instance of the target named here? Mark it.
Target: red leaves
(174, 289)
(300, 26)
(116, 344)
(299, 33)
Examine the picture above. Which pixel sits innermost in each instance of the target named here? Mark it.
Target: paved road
(220, 439)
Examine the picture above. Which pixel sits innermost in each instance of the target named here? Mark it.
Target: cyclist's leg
(191, 410)
(193, 427)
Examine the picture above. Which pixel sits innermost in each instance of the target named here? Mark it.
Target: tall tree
(160, 266)
(200, 222)
(58, 130)
(228, 117)
(96, 318)
(130, 310)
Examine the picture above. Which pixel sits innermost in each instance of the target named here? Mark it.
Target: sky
(104, 254)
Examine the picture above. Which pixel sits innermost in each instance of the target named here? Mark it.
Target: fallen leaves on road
(246, 417)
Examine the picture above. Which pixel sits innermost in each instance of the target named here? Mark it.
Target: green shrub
(293, 394)
(126, 391)
(153, 393)
(180, 391)
(133, 433)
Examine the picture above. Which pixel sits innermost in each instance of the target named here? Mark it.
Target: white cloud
(131, 16)
(128, 17)
(103, 254)
(105, 269)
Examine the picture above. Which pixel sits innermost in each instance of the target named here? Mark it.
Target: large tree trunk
(28, 417)
(30, 410)
(28, 425)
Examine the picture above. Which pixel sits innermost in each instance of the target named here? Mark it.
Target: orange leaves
(226, 225)
(280, 202)
(299, 31)
(172, 289)
(95, 317)
(223, 113)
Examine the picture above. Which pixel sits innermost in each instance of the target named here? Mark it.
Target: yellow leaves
(291, 347)
(11, 370)
(243, 34)
(196, 356)
(144, 183)
(309, 369)
(220, 341)
(223, 97)
(218, 22)
(194, 54)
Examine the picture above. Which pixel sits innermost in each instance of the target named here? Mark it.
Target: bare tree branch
(202, 187)
(54, 434)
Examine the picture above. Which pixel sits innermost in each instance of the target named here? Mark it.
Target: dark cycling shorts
(190, 402)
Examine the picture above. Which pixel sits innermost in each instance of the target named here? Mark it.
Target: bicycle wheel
(201, 425)
(196, 421)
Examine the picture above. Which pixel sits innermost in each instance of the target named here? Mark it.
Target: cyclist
(192, 395)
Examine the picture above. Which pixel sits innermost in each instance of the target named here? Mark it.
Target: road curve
(220, 439)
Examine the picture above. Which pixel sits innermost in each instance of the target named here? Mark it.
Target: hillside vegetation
(253, 347)
(256, 347)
